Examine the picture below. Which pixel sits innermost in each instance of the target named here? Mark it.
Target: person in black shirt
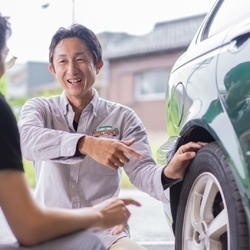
(38, 228)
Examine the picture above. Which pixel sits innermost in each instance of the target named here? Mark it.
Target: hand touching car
(179, 163)
(112, 153)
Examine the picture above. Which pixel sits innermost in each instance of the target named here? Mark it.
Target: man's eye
(61, 62)
(80, 60)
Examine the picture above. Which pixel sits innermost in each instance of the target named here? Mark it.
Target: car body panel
(208, 95)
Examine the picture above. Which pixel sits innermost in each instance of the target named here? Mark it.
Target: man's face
(74, 68)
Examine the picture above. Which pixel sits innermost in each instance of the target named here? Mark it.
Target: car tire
(210, 213)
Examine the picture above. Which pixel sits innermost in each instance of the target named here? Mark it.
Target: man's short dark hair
(81, 32)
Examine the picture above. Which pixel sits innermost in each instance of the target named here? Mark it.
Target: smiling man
(73, 167)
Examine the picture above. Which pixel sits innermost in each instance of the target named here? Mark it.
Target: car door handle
(239, 38)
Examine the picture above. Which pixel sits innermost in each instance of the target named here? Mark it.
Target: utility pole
(73, 11)
(46, 5)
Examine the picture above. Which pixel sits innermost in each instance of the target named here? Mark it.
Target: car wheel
(210, 213)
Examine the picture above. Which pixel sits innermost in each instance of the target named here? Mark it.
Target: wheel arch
(193, 133)
(196, 131)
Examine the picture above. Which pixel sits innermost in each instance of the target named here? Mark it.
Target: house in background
(30, 78)
(135, 73)
(108, 40)
(139, 68)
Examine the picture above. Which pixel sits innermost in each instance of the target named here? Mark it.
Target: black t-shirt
(10, 150)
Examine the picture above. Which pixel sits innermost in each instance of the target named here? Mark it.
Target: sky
(33, 25)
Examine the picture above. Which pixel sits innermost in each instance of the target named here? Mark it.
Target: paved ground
(148, 224)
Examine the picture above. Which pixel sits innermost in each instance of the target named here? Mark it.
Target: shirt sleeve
(145, 174)
(168, 182)
(10, 152)
(39, 141)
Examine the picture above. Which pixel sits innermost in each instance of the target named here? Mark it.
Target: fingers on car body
(190, 147)
(178, 165)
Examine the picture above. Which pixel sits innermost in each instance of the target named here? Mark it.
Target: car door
(233, 80)
(233, 73)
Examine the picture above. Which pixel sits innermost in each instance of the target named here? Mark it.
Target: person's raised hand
(114, 213)
(179, 163)
(109, 152)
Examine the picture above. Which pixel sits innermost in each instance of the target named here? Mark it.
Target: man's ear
(99, 65)
(51, 69)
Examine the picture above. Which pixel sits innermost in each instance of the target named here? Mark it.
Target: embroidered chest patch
(105, 131)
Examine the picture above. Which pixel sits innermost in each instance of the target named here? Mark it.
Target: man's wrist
(166, 181)
(80, 145)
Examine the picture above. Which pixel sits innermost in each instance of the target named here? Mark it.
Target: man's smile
(74, 81)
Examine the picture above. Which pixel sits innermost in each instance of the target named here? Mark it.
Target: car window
(229, 12)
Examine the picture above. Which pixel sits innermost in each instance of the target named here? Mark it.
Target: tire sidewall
(210, 159)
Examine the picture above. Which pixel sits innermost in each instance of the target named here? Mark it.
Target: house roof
(165, 36)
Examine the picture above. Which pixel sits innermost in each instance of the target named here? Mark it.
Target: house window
(151, 84)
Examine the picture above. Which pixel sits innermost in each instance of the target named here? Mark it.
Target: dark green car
(208, 100)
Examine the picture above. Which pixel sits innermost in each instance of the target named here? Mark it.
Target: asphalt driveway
(148, 224)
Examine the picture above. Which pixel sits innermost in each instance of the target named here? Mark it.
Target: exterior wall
(30, 78)
(121, 87)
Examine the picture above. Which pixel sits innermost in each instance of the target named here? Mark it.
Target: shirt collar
(92, 105)
(94, 102)
(64, 102)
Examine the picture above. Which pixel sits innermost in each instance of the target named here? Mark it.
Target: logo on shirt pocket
(105, 131)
